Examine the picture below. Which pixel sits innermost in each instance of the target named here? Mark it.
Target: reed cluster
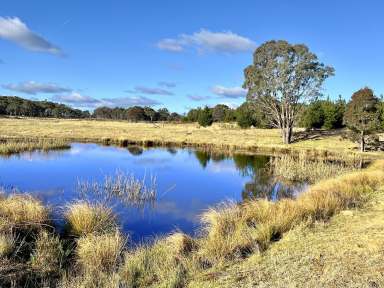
(301, 168)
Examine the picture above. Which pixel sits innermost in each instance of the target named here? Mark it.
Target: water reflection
(257, 167)
(188, 181)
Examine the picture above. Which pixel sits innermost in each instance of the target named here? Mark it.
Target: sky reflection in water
(188, 181)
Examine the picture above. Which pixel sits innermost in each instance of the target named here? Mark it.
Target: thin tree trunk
(362, 142)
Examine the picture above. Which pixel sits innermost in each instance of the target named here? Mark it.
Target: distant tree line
(136, 114)
(16, 106)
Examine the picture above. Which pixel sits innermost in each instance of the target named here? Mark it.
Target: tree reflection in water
(263, 185)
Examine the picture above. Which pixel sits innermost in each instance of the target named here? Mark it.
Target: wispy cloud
(205, 40)
(32, 87)
(129, 101)
(229, 92)
(150, 91)
(78, 100)
(13, 29)
(198, 97)
(167, 84)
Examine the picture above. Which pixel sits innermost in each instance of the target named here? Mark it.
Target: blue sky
(177, 54)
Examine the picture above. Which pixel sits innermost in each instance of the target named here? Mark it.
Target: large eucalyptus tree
(282, 77)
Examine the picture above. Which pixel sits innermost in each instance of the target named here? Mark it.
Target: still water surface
(188, 182)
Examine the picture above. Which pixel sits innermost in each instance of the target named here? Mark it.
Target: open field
(220, 136)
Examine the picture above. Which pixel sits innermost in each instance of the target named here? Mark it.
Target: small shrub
(205, 117)
(84, 218)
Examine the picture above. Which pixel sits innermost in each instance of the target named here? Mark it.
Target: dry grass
(7, 245)
(100, 253)
(84, 218)
(345, 252)
(220, 136)
(11, 145)
(163, 264)
(48, 253)
(23, 210)
(233, 231)
(303, 169)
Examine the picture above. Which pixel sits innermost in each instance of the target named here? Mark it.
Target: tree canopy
(362, 114)
(281, 77)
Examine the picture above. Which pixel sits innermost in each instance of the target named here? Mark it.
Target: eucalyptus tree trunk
(362, 141)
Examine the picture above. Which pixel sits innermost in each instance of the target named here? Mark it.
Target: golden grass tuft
(227, 235)
(23, 210)
(84, 218)
(163, 264)
(180, 243)
(48, 253)
(7, 245)
(100, 252)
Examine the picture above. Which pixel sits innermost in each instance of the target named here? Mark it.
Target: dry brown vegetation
(218, 136)
(17, 145)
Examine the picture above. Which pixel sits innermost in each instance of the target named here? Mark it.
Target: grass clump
(227, 236)
(164, 264)
(23, 210)
(84, 218)
(7, 245)
(48, 254)
(100, 252)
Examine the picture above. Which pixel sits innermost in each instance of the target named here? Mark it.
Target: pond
(188, 182)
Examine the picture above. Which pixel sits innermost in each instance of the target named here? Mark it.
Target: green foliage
(222, 113)
(205, 117)
(362, 114)
(16, 106)
(245, 115)
(324, 114)
(362, 111)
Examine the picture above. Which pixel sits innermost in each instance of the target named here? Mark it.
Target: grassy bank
(257, 243)
(16, 145)
(219, 136)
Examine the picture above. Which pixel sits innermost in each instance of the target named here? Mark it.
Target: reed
(301, 168)
(125, 187)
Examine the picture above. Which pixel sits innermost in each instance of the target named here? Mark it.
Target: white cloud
(76, 99)
(173, 45)
(229, 92)
(13, 29)
(32, 87)
(150, 91)
(198, 97)
(205, 40)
